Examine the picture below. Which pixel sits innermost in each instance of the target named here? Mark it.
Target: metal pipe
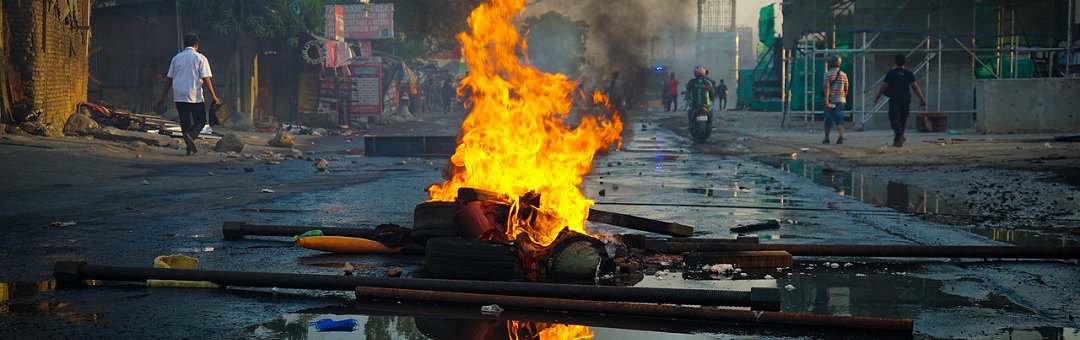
(649, 310)
(1069, 36)
(232, 230)
(861, 250)
(70, 272)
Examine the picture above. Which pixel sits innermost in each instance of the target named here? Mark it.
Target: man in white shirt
(188, 73)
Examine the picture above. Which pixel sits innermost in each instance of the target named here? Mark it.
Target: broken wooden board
(640, 223)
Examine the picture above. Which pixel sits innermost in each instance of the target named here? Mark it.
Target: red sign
(374, 21)
(366, 94)
(335, 23)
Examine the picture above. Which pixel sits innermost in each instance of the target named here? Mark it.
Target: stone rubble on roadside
(230, 142)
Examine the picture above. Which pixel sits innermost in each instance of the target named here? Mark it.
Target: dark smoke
(620, 32)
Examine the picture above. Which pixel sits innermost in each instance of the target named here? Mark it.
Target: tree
(426, 27)
(259, 19)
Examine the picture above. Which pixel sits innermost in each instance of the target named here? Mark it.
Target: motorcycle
(699, 120)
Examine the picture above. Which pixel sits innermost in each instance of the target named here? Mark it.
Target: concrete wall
(1028, 105)
(719, 52)
(48, 50)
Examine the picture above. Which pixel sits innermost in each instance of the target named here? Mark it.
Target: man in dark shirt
(721, 94)
(897, 82)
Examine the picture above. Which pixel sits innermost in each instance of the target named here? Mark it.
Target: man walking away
(188, 73)
(897, 82)
(671, 94)
(836, 89)
(721, 93)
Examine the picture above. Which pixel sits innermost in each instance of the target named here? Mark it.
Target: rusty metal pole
(73, 273)
(859, 250)
(650, 310)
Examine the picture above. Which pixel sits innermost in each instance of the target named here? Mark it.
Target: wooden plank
(741, 259)
(640, 223)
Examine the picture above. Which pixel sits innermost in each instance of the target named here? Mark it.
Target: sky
(746, 12)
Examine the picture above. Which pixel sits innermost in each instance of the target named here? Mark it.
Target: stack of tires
(449, 254)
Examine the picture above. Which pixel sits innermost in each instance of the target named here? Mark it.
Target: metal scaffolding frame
(933, 46)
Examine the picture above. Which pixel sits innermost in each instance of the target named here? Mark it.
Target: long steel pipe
(70, 272)
(650, 310)
(237, 230)
(861, 250)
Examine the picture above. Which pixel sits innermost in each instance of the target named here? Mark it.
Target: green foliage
(259, 19)
(422, 27)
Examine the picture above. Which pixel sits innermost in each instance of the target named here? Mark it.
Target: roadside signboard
(374, 21)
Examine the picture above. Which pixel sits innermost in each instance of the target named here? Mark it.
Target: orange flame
(544, 331)
(514, 139)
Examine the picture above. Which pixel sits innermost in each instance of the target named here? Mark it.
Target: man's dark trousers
(192, 121)
(898, 115)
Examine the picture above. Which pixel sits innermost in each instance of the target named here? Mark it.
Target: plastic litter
(491, 310)
(329, 325)
(313, 232)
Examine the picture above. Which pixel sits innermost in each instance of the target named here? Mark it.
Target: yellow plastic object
(178, 261)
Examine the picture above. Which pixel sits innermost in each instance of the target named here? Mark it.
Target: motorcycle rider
(700, 92)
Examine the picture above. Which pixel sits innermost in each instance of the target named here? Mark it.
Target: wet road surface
(658, 175)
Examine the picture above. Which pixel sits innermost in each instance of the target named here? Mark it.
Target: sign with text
(374, 21)
(335, 23)
(366, 88)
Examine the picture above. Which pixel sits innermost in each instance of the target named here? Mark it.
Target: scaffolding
(716, 16)
(949, 45)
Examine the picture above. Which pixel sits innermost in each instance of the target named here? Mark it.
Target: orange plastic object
(344, 244)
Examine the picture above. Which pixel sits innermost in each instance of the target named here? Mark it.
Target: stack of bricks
(48, 47)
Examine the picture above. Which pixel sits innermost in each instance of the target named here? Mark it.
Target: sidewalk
(764, 135)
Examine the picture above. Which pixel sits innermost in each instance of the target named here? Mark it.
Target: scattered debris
(329, 325)
(322, 165)
(493, 310)
(395, 272)
(269, 191)
(282, 139)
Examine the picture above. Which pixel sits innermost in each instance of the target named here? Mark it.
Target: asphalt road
(658, 174)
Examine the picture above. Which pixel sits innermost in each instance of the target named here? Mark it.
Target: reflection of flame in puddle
(514, 140)
(546, 331)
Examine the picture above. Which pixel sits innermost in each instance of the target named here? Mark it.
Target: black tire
(472, 259)
(434, 219)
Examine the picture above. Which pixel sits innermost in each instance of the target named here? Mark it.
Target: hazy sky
(746, 11)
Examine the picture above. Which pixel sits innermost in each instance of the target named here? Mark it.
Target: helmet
(834, 61)
(699, 71)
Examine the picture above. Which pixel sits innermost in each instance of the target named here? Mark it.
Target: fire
(514, 139)
(545, 331)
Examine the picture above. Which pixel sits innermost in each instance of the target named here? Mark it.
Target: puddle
(876, 191)
(1039, 333)
(17, 290)
(879, 290)
(1023, 237)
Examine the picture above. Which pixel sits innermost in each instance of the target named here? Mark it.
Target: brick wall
(48, 49)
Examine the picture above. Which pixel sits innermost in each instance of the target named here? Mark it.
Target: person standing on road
(836, 89)
(671, 94)
(721, 95)
(897, 82)
(189, 73)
